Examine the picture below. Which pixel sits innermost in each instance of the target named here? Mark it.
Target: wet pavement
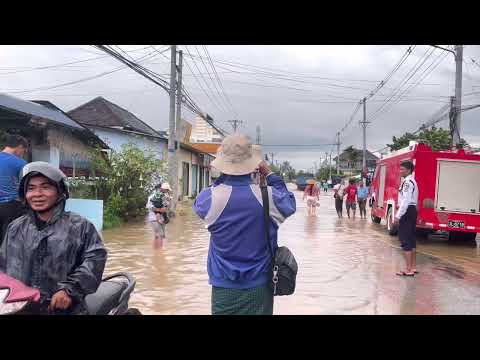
(345, 267)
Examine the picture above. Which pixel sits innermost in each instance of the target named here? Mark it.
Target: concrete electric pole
(259, 135)
(235, 124)
(457, 121)
(178, 120)
(271, 158)
(172, 151)
(330, 166)
(338, 153)
(364, 126)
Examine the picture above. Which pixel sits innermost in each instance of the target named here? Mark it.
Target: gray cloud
(291, 109)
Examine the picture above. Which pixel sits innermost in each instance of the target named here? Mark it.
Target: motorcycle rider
(58, 252)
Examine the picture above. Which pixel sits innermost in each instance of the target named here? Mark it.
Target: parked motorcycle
(111, 297)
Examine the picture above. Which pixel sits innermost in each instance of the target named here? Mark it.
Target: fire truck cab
(448, 185)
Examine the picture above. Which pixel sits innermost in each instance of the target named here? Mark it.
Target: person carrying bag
(284, 265)
(245, 273)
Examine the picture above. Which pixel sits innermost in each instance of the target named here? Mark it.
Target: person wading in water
(239, 259)
(339, 193)
(312, 195)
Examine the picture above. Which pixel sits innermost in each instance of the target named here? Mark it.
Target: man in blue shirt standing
(11, 165)
(362, 195)
(239, 258)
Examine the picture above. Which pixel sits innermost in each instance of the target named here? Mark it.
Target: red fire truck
(449, 190)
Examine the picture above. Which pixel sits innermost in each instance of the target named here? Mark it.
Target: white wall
(115, 139)
(47, 153)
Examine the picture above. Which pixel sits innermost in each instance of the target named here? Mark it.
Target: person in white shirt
(406, 217)
(339, 193)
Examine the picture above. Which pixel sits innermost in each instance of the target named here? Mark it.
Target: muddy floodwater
(345, 267)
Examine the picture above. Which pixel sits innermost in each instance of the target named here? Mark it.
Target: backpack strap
(266, 217)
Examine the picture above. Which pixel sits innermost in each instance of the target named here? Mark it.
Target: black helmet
(45, 169)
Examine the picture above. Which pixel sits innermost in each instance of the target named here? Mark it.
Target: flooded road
(345, 267)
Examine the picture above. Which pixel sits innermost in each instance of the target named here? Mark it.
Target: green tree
(324, 173)
(437, 138)
(125, 179)
(288, 170)
(402, 141)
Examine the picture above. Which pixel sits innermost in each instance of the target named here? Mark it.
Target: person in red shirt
(351, 192)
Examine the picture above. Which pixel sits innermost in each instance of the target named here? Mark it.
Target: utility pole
(235, 124)
(338, 153)
(259, 135)
(271, 158)
(172, 151)
(178, 120)
(457, 122)
(330, 166)
(364, 125)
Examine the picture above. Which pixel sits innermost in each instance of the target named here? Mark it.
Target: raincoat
(65, 253)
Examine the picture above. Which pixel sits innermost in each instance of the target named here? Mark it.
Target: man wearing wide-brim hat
(239, 258)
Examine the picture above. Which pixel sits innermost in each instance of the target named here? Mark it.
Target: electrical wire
(219, 107)
(435, 63)
(67, 64)
(73, 82)
(405, 80)
(222, 102)
(220, 82)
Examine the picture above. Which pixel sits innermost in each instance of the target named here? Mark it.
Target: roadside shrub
(124, 181)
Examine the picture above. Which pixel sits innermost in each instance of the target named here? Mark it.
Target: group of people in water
(346, 192)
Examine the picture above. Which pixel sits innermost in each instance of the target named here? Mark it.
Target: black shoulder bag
(284, 265)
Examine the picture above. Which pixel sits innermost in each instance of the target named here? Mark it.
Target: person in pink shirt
(312, 195)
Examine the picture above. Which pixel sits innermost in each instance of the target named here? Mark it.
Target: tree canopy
(437, 138)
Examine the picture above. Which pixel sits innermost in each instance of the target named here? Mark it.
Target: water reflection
(345, 267)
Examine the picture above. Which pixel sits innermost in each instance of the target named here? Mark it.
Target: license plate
(456, 224)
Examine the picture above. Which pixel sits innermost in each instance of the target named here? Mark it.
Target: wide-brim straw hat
(237, 156)
(311, 182)
(166, 186)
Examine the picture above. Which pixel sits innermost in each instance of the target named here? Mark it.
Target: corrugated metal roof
(30, 108)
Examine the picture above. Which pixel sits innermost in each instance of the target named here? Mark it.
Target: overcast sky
(299, 95)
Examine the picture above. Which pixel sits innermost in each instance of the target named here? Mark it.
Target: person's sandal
(403, 273)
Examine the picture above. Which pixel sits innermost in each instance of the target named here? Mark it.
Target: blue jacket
(238, 256)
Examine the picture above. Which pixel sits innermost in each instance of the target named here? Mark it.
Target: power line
(392, 72)
(219, 81)
(67, 64)
(222, 102)
(285, 73)
(402, 83)
(219, 107)
(422, 76)
(75, 81)
(198, 81)
(380, 85)
(136, 67)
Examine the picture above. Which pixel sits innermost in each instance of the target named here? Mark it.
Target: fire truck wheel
(391, 227)
(375, 219)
